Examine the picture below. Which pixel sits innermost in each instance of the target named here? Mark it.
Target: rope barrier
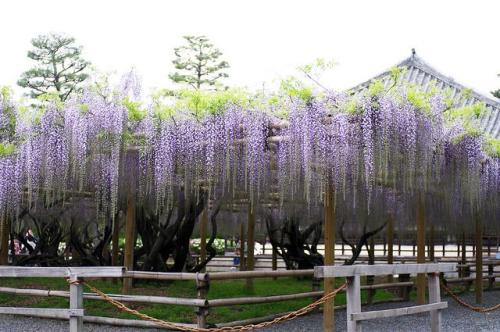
(169, 325)
(466, 305)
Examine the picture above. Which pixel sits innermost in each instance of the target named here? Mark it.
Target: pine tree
(58, 68)
(198, 63)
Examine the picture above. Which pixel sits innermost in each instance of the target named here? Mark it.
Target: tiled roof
(420, 73)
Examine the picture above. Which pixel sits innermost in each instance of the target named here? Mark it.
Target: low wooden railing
(201, 303)
(353, 297)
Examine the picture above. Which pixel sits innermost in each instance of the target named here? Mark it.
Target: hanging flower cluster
(362, 147)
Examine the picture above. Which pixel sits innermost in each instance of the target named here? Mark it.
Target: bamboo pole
(203, 235)
(250, 263)
(329, 236)
(4, 240)
(479, 258)
(390, 244)
(420, 247)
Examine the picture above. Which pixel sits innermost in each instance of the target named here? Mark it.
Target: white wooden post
(353, 299)
(434, 297)
(75, 302)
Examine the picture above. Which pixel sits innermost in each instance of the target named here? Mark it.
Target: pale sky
(265, 40)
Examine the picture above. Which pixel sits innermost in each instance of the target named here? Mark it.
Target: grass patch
(187, 289)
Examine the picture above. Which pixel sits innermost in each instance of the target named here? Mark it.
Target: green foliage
(396, 73)
(317, 67)
(198, 63)
(51, 97)
(134, 111)
(7, 149)
(198, 103)
(467, 113)
(352, 107)
(376, 88)
(58, 67)
(492, 147)
(84, 108)
(7, 132)
(418, 98)
(294, 88)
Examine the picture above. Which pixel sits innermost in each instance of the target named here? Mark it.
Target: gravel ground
(455, 318)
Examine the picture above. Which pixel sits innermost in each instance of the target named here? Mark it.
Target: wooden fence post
(434, 297)
(75, 302)
(202, 286)
(353, 301)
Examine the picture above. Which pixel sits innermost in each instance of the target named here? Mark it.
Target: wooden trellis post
(251, 245)
(329, 283)
(128, 259)
(479, 258)
(4, 240)
(390, 244)
(421, 246)
(242, 247)
(115, 241)
(203, 235)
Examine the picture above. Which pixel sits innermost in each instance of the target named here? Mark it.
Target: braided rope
(468, 306)
(292, 315)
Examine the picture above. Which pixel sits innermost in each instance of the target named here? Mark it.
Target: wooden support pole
(274, 261)
(251, 245)
(242, 247)
(115, 243)
(370, 279)
(491, 277)
(390, 244)
(329, 237)
(431, 244)
(203, 235)
(464, 254)
(421, 247)
(128, 260)
(75, 302)
(479, 258)
(4, 240)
